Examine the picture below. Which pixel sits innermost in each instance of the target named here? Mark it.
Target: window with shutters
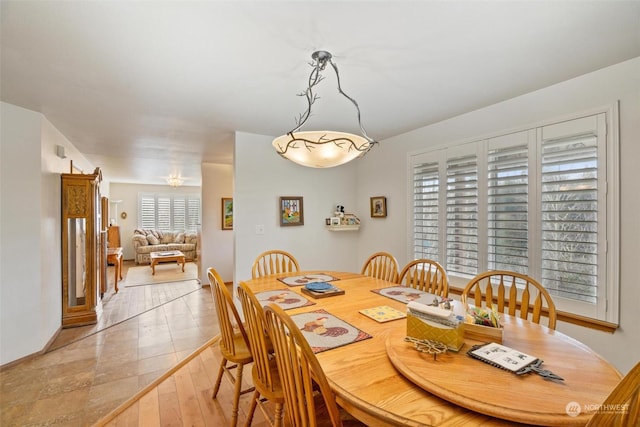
(462, 214)
(540, 201)
(168, 212)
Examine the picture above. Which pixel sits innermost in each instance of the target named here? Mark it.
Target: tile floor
(85, 377)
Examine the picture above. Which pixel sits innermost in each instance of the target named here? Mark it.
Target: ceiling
(146, 89)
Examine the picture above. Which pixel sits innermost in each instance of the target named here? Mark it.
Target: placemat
(383, 313)
(406, 294)
(325, 331)
(284, 298)
(308, 278)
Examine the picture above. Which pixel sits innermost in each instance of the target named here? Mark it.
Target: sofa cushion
(153, 248)
(179, 238)
(167, 237)
(153, 240)
(183, 247)
(140, 239)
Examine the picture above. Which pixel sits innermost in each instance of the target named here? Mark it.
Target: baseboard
(33, 355)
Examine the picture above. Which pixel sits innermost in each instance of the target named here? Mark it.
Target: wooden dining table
(383, 380)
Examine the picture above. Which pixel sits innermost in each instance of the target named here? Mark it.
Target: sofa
(146, 241)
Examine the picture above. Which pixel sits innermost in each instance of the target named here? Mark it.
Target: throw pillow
(179, 238)
(141, 239)
(153, 240)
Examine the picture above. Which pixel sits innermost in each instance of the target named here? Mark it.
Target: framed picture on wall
(227, 213)
(378, 207)
(291, 211)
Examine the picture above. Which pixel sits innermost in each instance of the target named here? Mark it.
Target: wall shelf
(343, 227)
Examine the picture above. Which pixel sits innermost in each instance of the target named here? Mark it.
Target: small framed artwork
(291, 211)
(335, 221)
(227, 213)
(378, 207)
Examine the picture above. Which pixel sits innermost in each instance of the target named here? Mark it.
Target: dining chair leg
(279, 414)
(237, 390)
(216, 387)
(252, 408)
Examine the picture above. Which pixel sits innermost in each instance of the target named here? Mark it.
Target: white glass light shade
(321, 149)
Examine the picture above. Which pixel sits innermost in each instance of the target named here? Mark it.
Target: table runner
(284, 298)
(406, 294)
(325, 331)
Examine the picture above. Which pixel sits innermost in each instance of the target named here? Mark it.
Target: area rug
(165, 273)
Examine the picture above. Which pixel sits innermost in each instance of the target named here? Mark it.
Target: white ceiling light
(322, 149)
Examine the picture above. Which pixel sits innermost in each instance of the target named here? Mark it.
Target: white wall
(217, 244)
(385, 171)
(30, 242)
(261, 177)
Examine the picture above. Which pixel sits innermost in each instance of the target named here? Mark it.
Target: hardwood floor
(183, 398)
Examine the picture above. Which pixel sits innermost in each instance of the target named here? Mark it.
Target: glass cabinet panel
(77, 256)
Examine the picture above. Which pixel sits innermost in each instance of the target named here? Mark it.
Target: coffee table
(166, 256)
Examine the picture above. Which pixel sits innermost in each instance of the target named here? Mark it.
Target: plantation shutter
(193, 214)
(570, 210)
(508, 206)
(462, 215)
(426, 184)
(179, 214)
(147, 211)
(168, 212)
(163, 213)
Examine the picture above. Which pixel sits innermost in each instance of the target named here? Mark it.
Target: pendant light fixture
(326, 148)
(175, 180)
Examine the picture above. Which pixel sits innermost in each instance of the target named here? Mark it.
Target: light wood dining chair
(426, 275)
(265, 369)
(301, 374)
(274, 262)
(626, 395)
(381, 265)
(234, 342)
(521, 294)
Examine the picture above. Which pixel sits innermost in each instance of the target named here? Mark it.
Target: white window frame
(606, 307)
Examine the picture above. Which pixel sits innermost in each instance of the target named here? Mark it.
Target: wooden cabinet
(83, 249)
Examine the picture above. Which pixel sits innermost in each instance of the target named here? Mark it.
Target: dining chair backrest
(381, 265)
(228, 317)
(521, 294)
(233, 344)
(274, 262)
(299, 369)
(622, 407)
(425, 275)
(258, 338)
